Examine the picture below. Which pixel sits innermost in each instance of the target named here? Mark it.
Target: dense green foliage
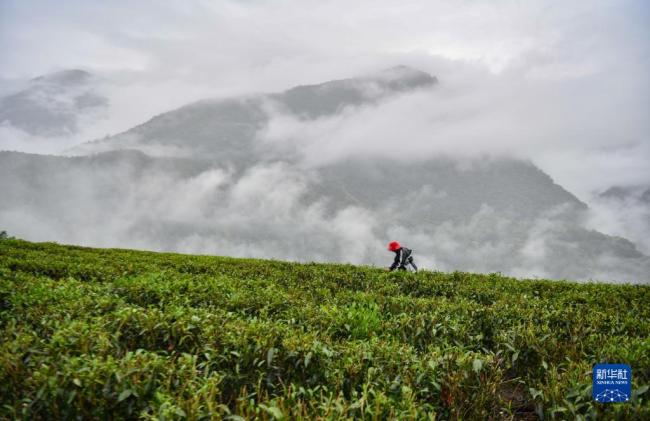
(115, 334)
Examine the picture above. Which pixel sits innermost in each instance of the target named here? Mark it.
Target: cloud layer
(561, 84)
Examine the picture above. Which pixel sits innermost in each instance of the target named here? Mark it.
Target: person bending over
(403, 257)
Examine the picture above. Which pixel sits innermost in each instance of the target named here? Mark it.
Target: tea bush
(120, 334)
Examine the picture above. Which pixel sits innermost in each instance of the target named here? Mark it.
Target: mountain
(199, 179)
(51, 105)
(625, 210)
(225, 129)
(314, 101)
(515, 220)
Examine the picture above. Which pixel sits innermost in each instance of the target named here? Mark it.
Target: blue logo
(612, 383)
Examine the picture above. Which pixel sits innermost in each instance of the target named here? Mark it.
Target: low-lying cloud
(572, 130)
(128, 200)
(562, 85)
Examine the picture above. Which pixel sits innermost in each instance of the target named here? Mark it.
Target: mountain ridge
(199, 179)
(236, 120)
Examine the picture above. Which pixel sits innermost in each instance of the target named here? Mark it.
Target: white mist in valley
(486, 136)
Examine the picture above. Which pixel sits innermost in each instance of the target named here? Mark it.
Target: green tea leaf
(125, 394)
(641, 390)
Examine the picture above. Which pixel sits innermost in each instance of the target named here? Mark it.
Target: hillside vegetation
(121, 334)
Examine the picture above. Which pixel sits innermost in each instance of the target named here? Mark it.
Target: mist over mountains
(625, 211)
(227, 129)
(259, 176)
(51, 105)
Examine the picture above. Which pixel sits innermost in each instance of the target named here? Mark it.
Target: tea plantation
(120, 334)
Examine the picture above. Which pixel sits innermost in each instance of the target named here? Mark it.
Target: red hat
(393, 245)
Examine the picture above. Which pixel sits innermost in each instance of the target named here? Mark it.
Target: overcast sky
(563, 84)
(209, 40)
(566, 83)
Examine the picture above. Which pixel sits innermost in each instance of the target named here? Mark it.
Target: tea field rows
(120, 334)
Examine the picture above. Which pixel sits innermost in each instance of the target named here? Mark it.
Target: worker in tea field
(403, 257)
